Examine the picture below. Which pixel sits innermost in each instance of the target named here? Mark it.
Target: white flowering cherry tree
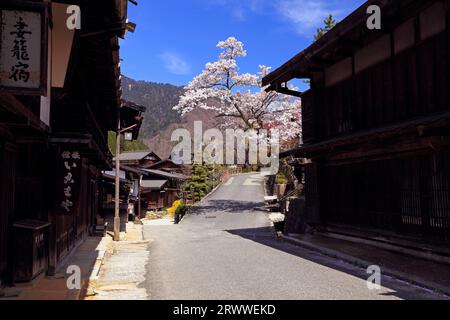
(238, 98)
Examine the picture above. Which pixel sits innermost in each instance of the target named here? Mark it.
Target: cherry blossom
(238, 98)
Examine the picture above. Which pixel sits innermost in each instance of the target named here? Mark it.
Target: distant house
(376, 123)
(157, 182)
(153, 194)
(166, 165)
(130, 188)
(159, 189)
(139, 159)
(107, 192)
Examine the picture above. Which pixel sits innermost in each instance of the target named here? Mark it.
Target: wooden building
(160, 188)
(131, 117)
(53, 139)
(139, 159)
(154, 194)
(166, 165)
(376, 122)
(129, 195)
(160, 181)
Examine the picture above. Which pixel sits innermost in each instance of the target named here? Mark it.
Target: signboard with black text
(23, 49)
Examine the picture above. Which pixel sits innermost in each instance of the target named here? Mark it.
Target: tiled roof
(166, 174)
(153, 184)
(133, 156)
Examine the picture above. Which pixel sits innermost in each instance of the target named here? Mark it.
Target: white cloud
(238, 13)
(175, 64)
(307, 15)
(239, 9)
(304, 16)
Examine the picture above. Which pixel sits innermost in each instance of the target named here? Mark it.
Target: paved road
(227, 250)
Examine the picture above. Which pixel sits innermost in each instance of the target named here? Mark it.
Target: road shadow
(266, 236)
(226, 206)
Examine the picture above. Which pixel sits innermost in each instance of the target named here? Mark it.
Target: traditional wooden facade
(160, 188)
(376, 122)
(131, 117)
(139, 159)
(159, 180)
(166, 165)
(53, 147)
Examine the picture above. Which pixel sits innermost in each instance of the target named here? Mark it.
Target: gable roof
(153, 184)
(165, 174)
(161, 162)
(112, 175)
(137, 156)
(348, 35)
(131, 169)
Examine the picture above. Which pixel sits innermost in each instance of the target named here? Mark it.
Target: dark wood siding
(8, 154)
(410, 195)
(312, 192)
(411, 84)
(308, 130)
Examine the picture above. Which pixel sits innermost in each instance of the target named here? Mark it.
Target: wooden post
(117, 186)
(139, 202)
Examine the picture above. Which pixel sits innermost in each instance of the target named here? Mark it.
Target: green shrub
(199, 183)
(281, 179)
(181, 210)
(180, 213)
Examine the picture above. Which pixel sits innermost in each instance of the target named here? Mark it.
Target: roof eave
(300, 65)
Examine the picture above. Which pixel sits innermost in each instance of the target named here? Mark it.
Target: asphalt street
(227, 250)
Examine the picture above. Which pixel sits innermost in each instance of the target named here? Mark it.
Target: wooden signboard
(23, 48)
(69, 180)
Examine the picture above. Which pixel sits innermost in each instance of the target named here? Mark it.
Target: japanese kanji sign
(71, 166)
(22, 52)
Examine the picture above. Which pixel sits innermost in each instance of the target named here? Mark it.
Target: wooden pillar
(52, 215)
(139, 209)
(448, 40)
(312, 193)
(8, 155)
(448, 24)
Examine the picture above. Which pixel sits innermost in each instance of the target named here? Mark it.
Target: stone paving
(88, 256)
(109, 271)
(123, 270)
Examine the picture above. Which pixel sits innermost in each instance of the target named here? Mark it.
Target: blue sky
(174, 39)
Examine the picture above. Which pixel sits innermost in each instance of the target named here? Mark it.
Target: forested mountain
(160, 120)
(159, 100)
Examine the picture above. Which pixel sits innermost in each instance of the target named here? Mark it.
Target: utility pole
(117, 185)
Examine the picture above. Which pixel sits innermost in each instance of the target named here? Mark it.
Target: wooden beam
(393, 149)
(289, 92)
(13, 105)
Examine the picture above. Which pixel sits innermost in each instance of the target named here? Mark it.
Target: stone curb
(218, 186)
(210, 194)
(429, 285)
(133, 242)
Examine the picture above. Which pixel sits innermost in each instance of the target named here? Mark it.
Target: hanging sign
(23, 49)
(69, 181)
